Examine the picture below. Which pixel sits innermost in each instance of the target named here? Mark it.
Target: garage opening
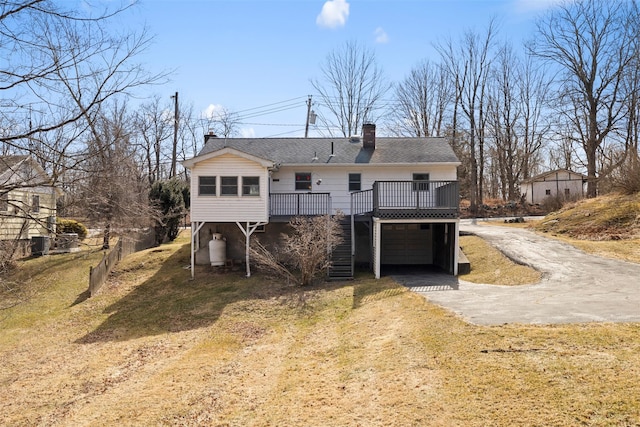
(416, 247)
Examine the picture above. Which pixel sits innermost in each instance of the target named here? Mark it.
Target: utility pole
(174, 153)
(311, 117)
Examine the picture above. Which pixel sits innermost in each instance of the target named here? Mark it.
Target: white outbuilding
(562, 183)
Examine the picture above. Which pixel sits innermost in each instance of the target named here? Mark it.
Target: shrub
(553, 203)
(626, 179)
(8, 249)
(303, 255)
(169, 199)
(71, 226)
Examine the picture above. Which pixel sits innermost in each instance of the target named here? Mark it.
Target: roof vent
(354, 138)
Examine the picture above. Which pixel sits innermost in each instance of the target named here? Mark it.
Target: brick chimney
(211, 134)
(369, 136)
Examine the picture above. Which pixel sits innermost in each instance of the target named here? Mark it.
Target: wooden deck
(387, 199)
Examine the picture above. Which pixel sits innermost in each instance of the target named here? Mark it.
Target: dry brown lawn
(491, 266)
(155, 348)
(607, 226)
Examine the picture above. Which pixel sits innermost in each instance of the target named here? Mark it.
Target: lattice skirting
(418, 214)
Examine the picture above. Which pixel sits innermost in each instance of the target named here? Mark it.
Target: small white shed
(557, 183)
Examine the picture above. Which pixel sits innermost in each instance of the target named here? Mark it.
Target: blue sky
(244, 54)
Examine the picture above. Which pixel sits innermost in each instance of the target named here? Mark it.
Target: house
(557, 183)
(399, 196)
(27, 200)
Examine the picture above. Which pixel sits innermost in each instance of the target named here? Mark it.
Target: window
(355, 182)
(229, 186)
(250, 185)
(303, 180)
(420, 182)
(567, 192)
(547, 192)
(4, 202)
(35, 204)
(207, 186)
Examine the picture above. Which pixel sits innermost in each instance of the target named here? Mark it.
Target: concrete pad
(576, 287)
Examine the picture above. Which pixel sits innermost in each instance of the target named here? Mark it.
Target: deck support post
(195, 244)
(376, 247)
(248, 230)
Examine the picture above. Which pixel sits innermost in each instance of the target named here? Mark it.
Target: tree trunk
(106, 236)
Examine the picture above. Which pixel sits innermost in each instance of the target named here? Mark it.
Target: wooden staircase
(342, 264)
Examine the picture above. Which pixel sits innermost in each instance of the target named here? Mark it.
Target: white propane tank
(217, 250)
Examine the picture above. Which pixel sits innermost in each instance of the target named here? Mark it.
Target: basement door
(406, 244)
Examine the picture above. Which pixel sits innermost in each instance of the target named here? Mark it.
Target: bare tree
(351, 88)
(222, 121)
(60, 61)
(153, 126)
(534, 88)
(504, 112)
(190, 133)
(591, 41)
(423, 99)
(468, 65)
(114, 190)
(516, 101)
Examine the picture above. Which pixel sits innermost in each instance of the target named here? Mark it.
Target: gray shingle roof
(540, 177)
(10, 162)
(304, 150)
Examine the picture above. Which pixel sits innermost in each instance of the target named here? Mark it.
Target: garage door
(406, 244)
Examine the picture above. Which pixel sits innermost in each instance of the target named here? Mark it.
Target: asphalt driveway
(575, 286)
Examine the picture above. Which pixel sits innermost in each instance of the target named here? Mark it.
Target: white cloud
(247, 133)
(334, 14)
(213, 111)
(381, 35)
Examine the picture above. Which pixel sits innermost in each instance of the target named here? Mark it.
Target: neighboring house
(558, 183)
(27, 199)
(400, 196)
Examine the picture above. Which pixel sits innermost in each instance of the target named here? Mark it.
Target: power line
(285, 133)
(266, 112)
(269, 105)
(269, 124)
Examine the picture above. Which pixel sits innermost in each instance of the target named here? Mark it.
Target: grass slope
(156, 348)
(607, 226)
(490, 266)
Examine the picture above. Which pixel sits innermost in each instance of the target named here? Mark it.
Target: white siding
(335, 179)
(556, 184)
(229, 208)
(19, 221)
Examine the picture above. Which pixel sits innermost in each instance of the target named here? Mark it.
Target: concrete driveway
(575, 286)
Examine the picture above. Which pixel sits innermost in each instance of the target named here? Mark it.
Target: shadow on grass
(82, 297)
(396, 280)
(370, 289)
(45, 265)
(170, 301)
